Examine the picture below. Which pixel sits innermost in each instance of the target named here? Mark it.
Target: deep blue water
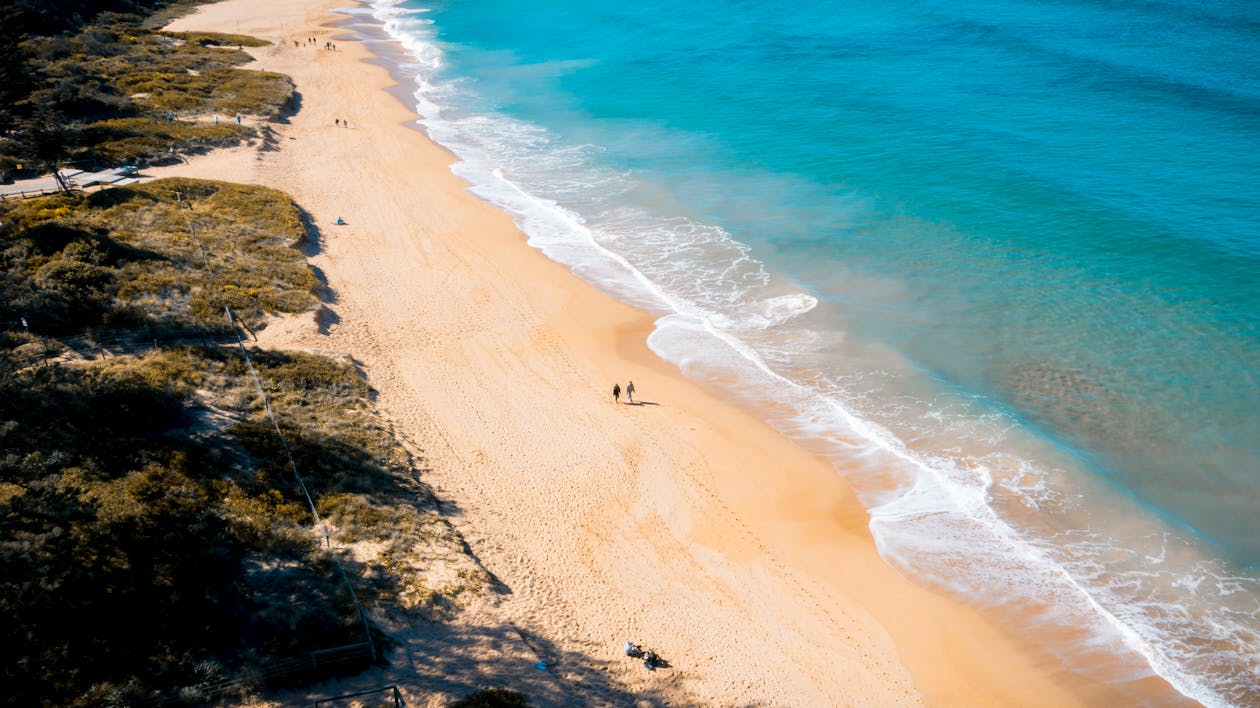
(999, 258)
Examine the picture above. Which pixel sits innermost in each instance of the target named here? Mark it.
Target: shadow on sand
(453, 659)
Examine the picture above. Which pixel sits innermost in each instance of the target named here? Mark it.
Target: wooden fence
(25, 193)
(318, 665)
(392, 696)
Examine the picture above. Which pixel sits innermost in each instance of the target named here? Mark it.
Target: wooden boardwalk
(75, 179)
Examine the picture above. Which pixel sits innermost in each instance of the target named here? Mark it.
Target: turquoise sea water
(999, 259)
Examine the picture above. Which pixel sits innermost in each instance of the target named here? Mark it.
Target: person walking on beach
(630, 392)
(616, 393)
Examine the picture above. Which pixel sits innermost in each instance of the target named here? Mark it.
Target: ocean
(998, 259)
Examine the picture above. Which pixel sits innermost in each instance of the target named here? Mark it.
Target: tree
(45, 135)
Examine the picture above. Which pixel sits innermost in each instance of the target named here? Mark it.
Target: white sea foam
(947, 502)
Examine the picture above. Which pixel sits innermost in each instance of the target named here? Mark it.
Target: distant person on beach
(630, 392)
(616, 393)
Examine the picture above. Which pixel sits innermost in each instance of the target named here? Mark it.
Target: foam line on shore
(957, 505)
(601, 506)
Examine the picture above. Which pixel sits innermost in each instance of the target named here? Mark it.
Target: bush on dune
(150, 140)
(104, 91)
(81, 262)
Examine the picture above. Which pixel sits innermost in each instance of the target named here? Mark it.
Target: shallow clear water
(999, 259)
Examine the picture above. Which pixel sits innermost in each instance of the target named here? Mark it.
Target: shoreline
(606, 522)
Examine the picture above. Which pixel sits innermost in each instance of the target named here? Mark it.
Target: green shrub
(85, 96)
(217, 39)
(222, 91)
(114, 509)
(126, 255)
(149, 140)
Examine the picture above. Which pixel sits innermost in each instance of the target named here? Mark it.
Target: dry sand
(687, 525)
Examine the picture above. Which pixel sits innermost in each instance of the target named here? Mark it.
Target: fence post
(233, 321)
(367, 628)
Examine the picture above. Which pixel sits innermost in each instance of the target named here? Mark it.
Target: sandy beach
(683, 523)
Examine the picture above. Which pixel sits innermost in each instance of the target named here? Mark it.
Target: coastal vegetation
(108, 88)
(153, 529)
(183, 516)
(80, 263)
